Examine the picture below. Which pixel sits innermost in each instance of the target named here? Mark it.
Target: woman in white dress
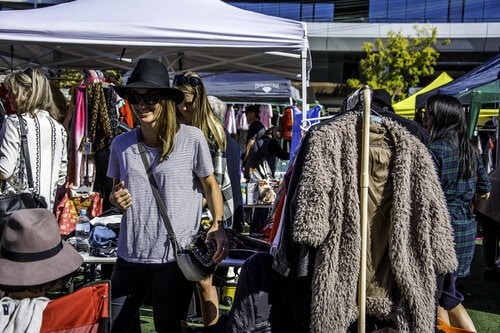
(31, 97)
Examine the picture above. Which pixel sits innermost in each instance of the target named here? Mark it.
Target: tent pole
(365, 160)
(304, 85)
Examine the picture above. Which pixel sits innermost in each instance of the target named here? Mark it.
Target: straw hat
(32, 251)
(153, 75)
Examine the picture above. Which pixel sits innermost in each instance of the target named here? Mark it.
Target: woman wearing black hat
(181, 165)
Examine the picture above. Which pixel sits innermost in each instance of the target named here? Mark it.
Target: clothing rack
(365, 181)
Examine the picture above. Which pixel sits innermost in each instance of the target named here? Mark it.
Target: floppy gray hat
(151, 74)
(32, 251)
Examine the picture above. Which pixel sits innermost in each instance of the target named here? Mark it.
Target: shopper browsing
(31, 97)
(462, 175)
(196, 111)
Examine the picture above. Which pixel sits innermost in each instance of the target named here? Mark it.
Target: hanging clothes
(97, 125)
(241, 119)
(75, 174)
(297, 132)
(266, 115)
(126, 114)
(420, 244)
(230, 120)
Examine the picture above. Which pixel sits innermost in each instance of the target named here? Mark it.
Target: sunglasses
(149, 99)
(192, 80)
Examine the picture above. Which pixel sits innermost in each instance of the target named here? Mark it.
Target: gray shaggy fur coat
(328, 218)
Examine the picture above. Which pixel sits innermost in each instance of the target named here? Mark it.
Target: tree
(399, 62)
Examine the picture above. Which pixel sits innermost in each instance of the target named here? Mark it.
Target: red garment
(126, 113)
(8, 104)
(277, 217)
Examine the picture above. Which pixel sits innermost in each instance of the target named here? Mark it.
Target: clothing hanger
(83, 189)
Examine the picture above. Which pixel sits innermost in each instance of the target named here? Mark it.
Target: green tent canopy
(476, 98)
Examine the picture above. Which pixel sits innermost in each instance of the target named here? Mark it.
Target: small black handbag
(196, 259)
(9, 203)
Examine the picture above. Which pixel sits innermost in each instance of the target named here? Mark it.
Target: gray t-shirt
(143, 236)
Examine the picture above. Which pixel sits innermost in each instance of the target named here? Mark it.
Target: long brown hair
(168, 125)
(203, 116)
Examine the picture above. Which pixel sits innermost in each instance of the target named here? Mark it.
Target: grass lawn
(482, 297)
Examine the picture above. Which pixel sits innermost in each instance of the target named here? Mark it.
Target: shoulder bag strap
(25, 152)
(157, 194)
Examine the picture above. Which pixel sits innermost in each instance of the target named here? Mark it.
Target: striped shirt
(143, 236)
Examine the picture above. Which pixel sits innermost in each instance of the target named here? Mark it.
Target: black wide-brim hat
(32, 251)
(383, 97)
(151, 74)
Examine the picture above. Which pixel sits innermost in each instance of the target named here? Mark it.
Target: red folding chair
(86, 310)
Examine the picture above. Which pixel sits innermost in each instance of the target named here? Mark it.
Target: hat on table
(32, 251)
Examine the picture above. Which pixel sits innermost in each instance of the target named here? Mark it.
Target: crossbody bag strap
(25, 152)
(157, 194)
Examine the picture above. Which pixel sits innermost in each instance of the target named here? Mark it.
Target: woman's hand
(482, 196)
(120, 197)
(220, 237)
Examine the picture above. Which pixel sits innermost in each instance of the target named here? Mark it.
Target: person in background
(233, 157)
(196, 111)
(254, 126)
(180, 162)
(31, 97)
(488, 216)
(265, 148)
(462, 175)
(33, 261)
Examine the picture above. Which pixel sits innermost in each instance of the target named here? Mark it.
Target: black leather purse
(196, 259)
(9, 203)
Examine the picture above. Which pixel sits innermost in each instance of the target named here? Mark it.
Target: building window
(308, 11)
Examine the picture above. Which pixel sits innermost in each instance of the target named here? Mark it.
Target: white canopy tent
(197, 35)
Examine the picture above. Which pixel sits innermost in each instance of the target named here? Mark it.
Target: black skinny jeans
(170, 290)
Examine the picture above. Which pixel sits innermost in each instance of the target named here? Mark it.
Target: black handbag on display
(9, 203)
(196, 259)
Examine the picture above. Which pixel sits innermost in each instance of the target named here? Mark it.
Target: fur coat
(328, 219)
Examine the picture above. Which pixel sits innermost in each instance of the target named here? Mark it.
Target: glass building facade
(379, 11)
(434, 11)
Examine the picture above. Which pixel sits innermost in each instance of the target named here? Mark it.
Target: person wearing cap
(30, 93)
(255, 126)
(33, 261)
(196, 111)
(181, 165)
(266, 147)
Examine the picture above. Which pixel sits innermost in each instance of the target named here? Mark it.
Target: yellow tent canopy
(406, 107)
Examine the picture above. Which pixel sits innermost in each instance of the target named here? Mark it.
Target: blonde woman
(196, 111)
(31, 96)
(180, 162)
